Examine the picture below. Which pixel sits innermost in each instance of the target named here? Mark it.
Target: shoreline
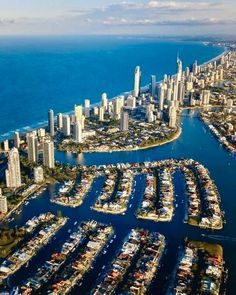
(22, 130)
(176, 136)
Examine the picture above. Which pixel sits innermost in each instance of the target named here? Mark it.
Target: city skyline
(117, 17)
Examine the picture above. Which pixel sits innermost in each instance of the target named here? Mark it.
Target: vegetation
(9, 239)
(211, 249)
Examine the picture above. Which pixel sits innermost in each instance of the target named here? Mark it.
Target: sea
(38, 73)
(41, 73)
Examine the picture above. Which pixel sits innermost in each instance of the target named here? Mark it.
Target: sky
(131, 17)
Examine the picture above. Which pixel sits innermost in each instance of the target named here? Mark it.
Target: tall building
(95, 111)
(137, 81)
(51, 123)
(59, 121)
(77, 132)
(48, 154)
(175, 91)
(78, 113)
(205, 97)
(124, 122)
(83, 122)
(131, 102)
(153, 86)
(161, 95)
(104, 101)
(66, 125)
(3, 203)
(32, 144)
(41, 132)
(117, 106)
(38, 174)
(179, 69)
(13, 173)
(101, 113)
(172, 117)
(16, 139)
(87, 108)
(6, 145)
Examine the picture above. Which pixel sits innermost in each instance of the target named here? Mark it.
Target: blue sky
(177, 17)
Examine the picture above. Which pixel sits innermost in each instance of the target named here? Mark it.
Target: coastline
(176, 136)
(43, 123)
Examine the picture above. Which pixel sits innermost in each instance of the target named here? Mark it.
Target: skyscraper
(179, 69)
(117, 105)
(161, 95)
(3, 203)
(13, 173)
(78, 113)
(48, 154)
(87, 108)
(137, 81)
(124, 122)
(66, 125)
(59, 121)
(131, 102)
(205, 97)
(17, 139)
(6, 145)
(153, 86)
(51, 123)
(38, 174)
(104, 101)
(77, 132)
(32, 143)
(101, 113)
(172, 117)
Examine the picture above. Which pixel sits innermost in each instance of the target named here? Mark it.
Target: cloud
(164, 5)
(183, 22)
(174, 5)
(5, 21)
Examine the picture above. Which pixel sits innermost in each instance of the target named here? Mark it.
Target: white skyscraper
(131, 102)
(117, 105)
(13, 173)
(6, 145)
(48, 154)
(66, 125)
(172, 117)
(41, 132)
(205, 97)
(51, 122)
(124, 122)
(77, 132)
(3, 203)
(101, 113)
(104, 101)
(161, 95)
(16, 139)
(78, 113)
(179, 69)
(137, 81)
(38, 174)
(32, 144)
(59, 121)
(87, 108)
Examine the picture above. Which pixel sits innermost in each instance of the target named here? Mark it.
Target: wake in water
(221, 238)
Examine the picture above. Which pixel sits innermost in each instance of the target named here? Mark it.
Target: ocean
(38, 73)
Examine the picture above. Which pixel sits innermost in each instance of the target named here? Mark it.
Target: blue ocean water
(38, 73)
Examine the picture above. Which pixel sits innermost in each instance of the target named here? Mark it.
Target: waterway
(195, 142)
